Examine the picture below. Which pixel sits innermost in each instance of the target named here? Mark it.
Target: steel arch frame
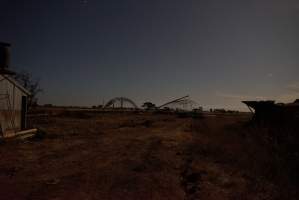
(122, 100)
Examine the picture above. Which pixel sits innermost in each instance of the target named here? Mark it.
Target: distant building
(13, 97)
(269, 112)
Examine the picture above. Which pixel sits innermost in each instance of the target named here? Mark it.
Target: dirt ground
(140, 156)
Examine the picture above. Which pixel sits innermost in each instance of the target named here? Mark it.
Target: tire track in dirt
(190, 180)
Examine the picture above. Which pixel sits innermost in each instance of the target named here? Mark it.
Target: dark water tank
(4, 55)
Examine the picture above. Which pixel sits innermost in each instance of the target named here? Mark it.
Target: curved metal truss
(121, 101)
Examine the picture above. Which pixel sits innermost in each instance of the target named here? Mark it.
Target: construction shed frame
(13, 106)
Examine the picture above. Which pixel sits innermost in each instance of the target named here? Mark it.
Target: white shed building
(13, 98)
(13, 105)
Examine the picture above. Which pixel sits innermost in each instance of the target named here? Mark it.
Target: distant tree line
(222, 110)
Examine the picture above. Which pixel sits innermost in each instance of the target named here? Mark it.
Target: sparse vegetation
(148, 155)
(31, 84)
(149, 106)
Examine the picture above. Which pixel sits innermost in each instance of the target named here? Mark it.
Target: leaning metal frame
(183, 102)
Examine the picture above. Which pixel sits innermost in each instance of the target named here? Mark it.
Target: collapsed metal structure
(183, 103)
(121, 102)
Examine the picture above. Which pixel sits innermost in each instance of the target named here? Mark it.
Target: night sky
(218, 51)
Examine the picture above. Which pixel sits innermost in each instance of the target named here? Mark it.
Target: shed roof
(18, 85)
(5, 44)
(6, 71)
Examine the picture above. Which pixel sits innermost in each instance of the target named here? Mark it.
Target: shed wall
(10, 105)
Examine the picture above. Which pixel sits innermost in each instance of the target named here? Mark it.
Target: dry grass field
(130, 155)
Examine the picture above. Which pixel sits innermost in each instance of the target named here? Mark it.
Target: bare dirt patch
(138, 156)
